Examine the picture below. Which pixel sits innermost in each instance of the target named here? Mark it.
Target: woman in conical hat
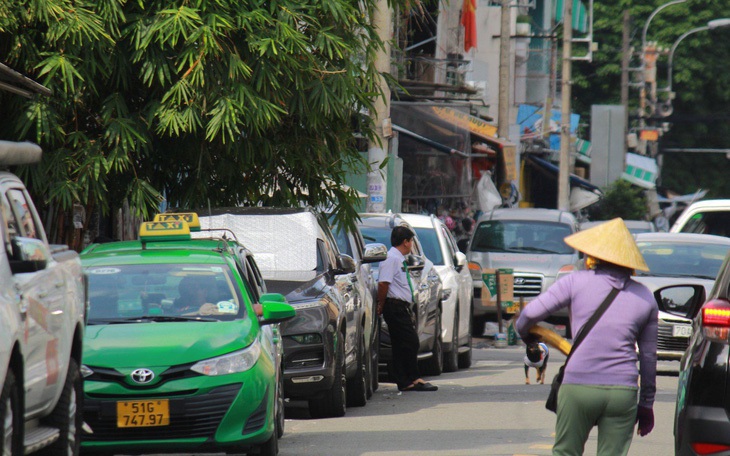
(600, 381)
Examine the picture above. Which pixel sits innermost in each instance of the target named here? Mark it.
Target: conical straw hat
(610, 241)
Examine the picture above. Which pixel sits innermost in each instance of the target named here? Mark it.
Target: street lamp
(712, 25)
(648, 21)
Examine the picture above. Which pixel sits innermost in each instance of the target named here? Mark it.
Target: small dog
(536, 356)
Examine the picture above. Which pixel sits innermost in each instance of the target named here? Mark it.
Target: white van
(705, 217)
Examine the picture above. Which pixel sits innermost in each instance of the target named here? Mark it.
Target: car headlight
(238, 361)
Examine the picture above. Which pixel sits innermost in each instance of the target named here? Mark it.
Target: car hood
(545, 264)
(297, 287)
(151, 344)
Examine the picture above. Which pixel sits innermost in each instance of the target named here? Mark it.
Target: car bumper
(224, 412)
(703, 424)
(308, 367)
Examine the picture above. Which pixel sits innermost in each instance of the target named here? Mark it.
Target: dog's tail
(552, 338)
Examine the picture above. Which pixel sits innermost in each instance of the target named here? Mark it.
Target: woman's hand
(645, 418)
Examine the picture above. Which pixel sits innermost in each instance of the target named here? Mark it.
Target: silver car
(674, 259)
(529, 241)
(440, 247)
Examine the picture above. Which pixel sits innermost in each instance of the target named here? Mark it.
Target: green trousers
(580, 407)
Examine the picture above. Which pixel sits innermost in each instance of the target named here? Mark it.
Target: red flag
(469, 21)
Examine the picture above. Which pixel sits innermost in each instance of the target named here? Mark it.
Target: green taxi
(182, 351)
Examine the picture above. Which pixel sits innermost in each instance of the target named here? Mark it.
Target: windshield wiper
(530, 249)
(147, 318)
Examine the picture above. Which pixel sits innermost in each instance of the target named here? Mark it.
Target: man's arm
(382, 294)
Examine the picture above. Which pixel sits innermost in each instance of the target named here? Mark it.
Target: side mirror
(345, 264)
(415, 262)
(29, 255)
(680, 300)
(276, 312)
(375, 253)
(459, 261)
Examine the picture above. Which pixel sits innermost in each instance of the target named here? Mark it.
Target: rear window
(682, 260)
(521, 236)
(717, 223)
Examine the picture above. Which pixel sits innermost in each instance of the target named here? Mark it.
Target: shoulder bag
(552, 401)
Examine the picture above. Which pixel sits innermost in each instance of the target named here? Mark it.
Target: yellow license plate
(143, 413)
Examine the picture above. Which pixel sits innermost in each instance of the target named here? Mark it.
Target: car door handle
(58, 284)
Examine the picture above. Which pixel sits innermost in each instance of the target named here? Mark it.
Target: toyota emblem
(142, 376)
(519, 281)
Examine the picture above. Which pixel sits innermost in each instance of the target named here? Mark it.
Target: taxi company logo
(142, 375)
(519, 281)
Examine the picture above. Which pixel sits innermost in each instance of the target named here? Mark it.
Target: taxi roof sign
(164, 231)
(191, 218)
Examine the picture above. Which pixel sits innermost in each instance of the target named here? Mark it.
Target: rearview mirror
(276, 312)
(459, 261)
(680, 300)
(374, 253)
(29, 255)
(345, 264)
(415, 262)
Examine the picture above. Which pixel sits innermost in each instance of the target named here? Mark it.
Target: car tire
(270, 447)
(434, 366)
(10, 407)
(333, 403)
(451, 357)
(465, 357)
(279, 414)
(357, 386)
(67, 416)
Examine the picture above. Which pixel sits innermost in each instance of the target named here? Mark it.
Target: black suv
(299, 258)
(427, 289)
(702, 417)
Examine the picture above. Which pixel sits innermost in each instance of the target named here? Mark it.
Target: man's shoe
(425, 387)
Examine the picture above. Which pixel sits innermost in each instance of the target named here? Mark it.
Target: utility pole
(503, 117)
(564, 169)
(378, 147)
(625, 62)
(552, 86)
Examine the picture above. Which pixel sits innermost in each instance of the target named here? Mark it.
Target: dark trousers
(404, 341)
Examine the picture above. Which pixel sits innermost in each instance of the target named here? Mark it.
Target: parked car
(529, 241)
(440, 247)
(702, 415)
(42, 314)
(705, 217)
(427, 290)
(299, 258)
(350, 242)
(634, 226)
(679, 258)
(176, 358)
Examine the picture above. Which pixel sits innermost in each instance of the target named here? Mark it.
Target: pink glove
(645, 418)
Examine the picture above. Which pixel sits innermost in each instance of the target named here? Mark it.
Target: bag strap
(592, 322)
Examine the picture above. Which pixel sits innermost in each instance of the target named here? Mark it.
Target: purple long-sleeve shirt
(607, 356)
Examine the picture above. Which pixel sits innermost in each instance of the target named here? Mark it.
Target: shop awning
(436, 145)
(574, 180)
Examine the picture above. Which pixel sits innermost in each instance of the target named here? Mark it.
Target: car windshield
(162, 292)
(682, 260)
(430, 242)
(521, 236)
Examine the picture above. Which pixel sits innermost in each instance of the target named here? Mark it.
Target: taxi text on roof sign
(164, 231)
(191, 218)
